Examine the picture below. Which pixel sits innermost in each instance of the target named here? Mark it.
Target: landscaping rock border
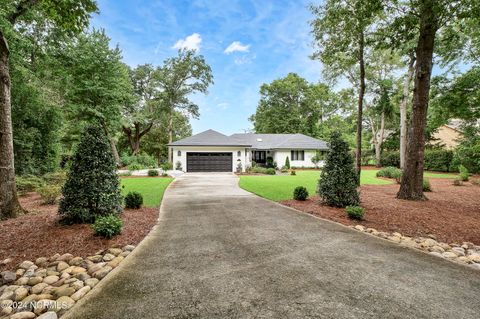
(466, 253)
(48, 287)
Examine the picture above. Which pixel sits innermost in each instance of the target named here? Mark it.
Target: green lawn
(439, 175)
(281, 187)
(152, 188)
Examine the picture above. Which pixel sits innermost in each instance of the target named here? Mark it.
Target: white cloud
(236, 46)
(223, 105)
(192, 42)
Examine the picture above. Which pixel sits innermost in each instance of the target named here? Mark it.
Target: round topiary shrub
(108, 226)
(152, 172)
(300, 193)
(133, 200)
(92, 188)
(338, 181)
(354, 212)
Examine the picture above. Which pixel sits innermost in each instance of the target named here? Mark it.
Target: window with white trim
(297, 155)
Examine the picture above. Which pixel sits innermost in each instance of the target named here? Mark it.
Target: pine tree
(92, 188)
(338, 181)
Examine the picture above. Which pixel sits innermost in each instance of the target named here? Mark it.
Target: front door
(260, 157)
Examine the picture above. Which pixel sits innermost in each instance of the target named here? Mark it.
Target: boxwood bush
(390, 172)
(300, 193)
(133, 200)
(354, 212)
(108, 226)
(390, 158)
(152, 172)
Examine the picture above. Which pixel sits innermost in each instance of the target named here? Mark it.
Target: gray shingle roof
(259, 141)
(208, 138)
(281, 141)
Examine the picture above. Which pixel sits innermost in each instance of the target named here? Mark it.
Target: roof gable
(208, 138)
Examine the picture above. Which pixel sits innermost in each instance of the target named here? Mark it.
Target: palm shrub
(92, 188)
(338, 180)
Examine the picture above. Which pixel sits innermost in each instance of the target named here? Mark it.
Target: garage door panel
(209, 162)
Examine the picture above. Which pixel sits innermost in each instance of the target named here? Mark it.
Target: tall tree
(143, 112)
(343, 31)
(67, 16)
(98, 84)
(432, 15)
(178, 78)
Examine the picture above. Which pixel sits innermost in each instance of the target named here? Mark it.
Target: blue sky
(266, 39)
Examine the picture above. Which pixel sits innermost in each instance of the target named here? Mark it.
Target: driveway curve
(221, 252)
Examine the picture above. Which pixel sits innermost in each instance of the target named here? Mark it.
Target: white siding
(207, 149)
(281, 155)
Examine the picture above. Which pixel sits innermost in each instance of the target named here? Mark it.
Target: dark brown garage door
(209, 162)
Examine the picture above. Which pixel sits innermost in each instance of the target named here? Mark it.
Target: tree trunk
(170, 137)
(135, 136)
(378, 145)
(9, 205)
(412, 180)
(403, 110)
(112, 145)
(361, 93)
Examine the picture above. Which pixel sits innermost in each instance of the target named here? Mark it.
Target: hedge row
(435, 160)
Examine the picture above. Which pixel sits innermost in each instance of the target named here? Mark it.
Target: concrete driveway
(221, 252)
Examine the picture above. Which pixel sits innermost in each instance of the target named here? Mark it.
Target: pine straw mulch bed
(39, 234)
(451, 213)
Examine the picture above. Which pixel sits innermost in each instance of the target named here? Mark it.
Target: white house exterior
(211, 151)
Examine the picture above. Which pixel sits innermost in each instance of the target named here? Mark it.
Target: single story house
(211, 151)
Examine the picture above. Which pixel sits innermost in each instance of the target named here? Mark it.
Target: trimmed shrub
(127, 173)
(354, 212)
(269, 162)
(108, 226)
(438, 160)
(133, 200)
(152, 172)
(49, 193)
(28, 183)
(390, 172)
(293, 173)
(92, 188)
(287, 162)
(300, 193)
(457, 182)
(464, 175)
(426, 185)
(270, 171)
(391, 158)
(338, 180)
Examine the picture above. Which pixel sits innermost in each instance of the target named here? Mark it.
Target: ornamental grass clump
(338, 180)
(92, 188)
